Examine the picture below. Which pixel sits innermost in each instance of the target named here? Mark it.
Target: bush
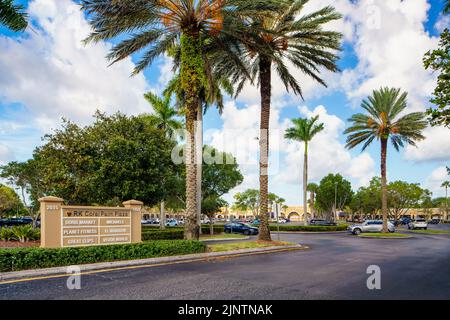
(34, 258)
(6, 234)
(25, 233)
(162, 235)
(341, 227)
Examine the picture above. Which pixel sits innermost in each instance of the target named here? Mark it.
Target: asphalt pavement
(335, 267)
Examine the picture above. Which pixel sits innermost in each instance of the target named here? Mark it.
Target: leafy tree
(210, 206)
(446, 185)
(155, 26)
(439, 61)
(10, 203)
(312, 188)
(275, 39)
(117, 158)
(384, 122)
(247, 200)
(12, 16)
(304, 130)
(367, 200)
(403, 196)
(27, 177)
(334, 192)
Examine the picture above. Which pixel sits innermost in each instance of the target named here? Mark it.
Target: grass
(384, 235)
(222, 236)
(245, 245)
(431, 231)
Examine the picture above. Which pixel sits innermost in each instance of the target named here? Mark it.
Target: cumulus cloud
(435, 179)
(389, 42)
(51, 73)
(435, 147)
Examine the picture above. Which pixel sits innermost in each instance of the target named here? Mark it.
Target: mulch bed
(17, 244)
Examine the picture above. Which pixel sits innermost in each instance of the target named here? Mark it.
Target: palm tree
(285, 36)
(155, 27)
(163, 118)
(446, 185)
(383, 122)
(12, 16)
(304, 131)
(312, 188)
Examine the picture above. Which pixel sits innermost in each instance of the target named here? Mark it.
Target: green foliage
(115, 158)
(12, 16)
(367, 200)
(35, 258)
(341, 227)
(166, 234)
(25, 233)
(403, 196)
(10, 203)
(329, 187)
(212, 205)
(438, 61)
(6, 234)
(247, 200)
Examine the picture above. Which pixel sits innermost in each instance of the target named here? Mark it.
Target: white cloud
(435, 147)
(53, 74)
(390, 41)
(442, 23)
(435, 179)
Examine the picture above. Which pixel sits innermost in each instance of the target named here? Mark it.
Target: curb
(308, 232)
(426, 233)
(224, 239)
(33, 274)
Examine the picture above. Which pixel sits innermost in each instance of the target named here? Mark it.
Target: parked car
(256, 222)
(239, 227)
(434, 221)
(282, 221)
(171, 223)
(405, 220)
(370, 226)
(321, 222)
(418, 224)
(11, 222)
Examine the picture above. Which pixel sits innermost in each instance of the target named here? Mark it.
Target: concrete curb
(308, 232)
(110, 266)
(425, 233)
(224, 239)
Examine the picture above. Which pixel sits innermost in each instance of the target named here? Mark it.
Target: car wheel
(425, 228)
(357, 231)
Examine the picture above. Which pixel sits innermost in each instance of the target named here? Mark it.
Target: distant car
(171, 223)
(145, 222)
(239, 227)
(418, 224)
(11, 222)
(321, 222)
(434, 221)
(256, 222)
(405, 220)
(282, 221)
(370, 226)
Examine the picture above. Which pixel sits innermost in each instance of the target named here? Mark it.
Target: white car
(418, 224)
(282, 221)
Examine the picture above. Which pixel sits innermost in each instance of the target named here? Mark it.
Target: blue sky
(46, 74)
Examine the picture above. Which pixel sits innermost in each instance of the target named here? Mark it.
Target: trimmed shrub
(34, 258)
(6, 234)
(341, 227)
(162, 235)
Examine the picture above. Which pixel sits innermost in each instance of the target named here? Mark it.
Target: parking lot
(333, 268)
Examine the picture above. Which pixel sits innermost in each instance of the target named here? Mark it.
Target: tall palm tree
(286, 40)
(12, 16)
(155, 27)
(446, 185)
(384, 122)
(312, 188)
(218, 84)
(165, 119)
(304, 131)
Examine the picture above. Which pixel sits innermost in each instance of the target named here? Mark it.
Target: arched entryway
(294, 216)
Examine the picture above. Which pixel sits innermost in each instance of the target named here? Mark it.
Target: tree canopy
(329, 186)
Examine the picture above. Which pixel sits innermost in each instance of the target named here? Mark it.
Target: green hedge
(162, 235)
(341, 227)
(34, 258)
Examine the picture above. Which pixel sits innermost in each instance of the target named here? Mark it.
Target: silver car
(370, 226)
(418, 224)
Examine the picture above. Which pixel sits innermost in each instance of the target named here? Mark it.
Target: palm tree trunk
(199, 158)
(305, 183)
(384, 207)
(266, 88)
(162, 216)
(192, 81)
